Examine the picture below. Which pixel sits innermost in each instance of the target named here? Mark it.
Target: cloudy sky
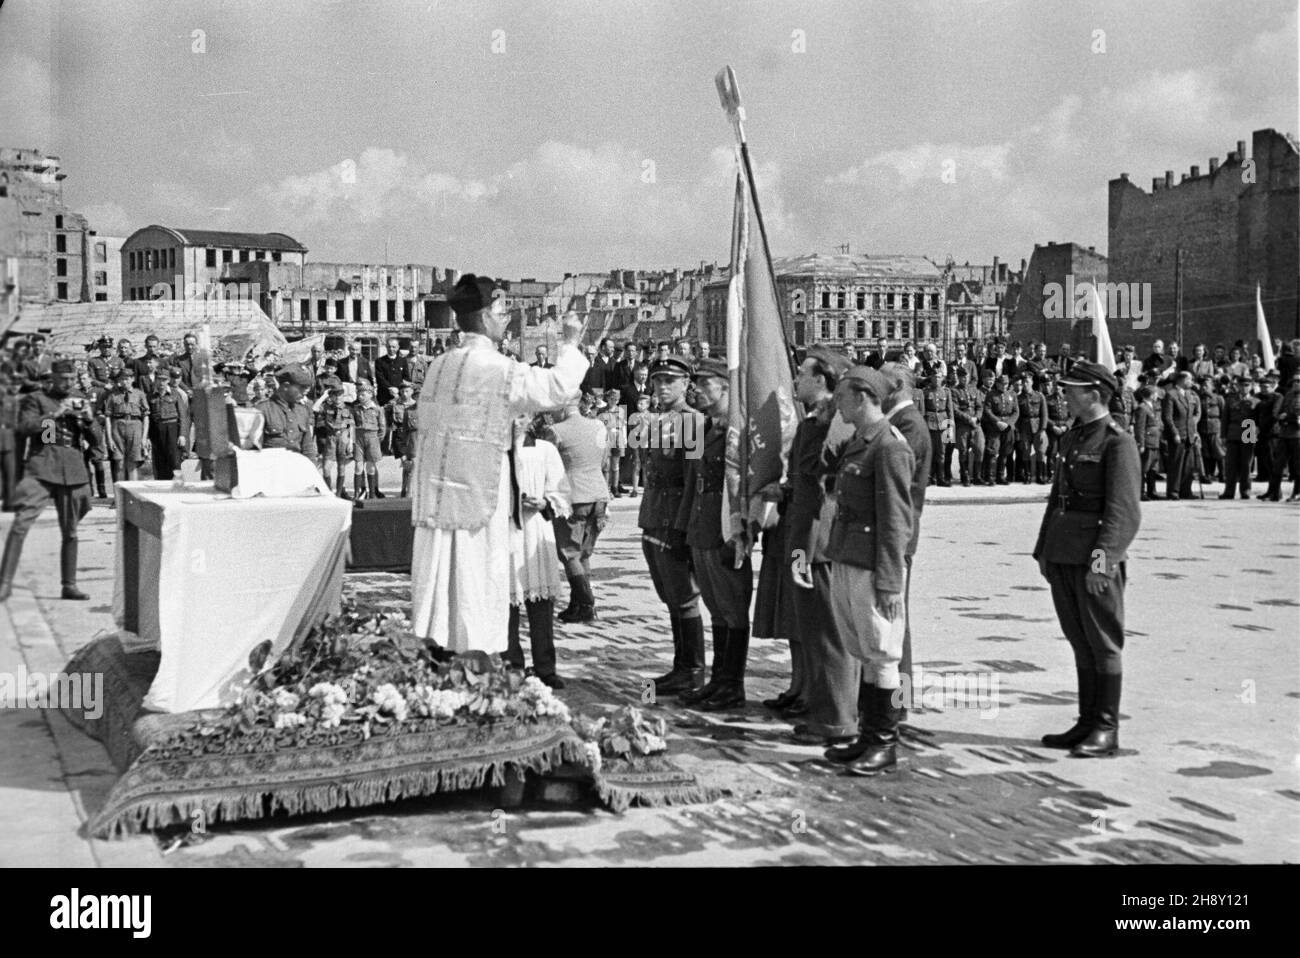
(535, 138)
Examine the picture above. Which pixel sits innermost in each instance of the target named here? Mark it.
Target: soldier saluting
(56, 420)
(1091, 519)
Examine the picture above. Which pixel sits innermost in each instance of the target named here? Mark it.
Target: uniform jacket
(582, 444)
(54, 456)
(333, 419)
(1236, 412)
(168, 403)
(287, 427)
(1211, 414)
(809, 514)
(1122, 404)
(1094, 500)
(967, 406)
(1032, 413)
(131, 404)
(1147, 427)
(1058, 413)
(1000, 404)
(938, 407)
(1286, 414)
(665, 470)
(1264, 415)
(701, 509)
(369, 418)
(873, 515)
(907, 420)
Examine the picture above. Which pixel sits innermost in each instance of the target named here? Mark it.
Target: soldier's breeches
(726, 590)
(970, 440)
(671, 575)
(833, 673)
(1093, 624)
(575, 537)
(32, 496)
(873, 639)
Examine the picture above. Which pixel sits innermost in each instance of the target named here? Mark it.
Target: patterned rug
(203, 781)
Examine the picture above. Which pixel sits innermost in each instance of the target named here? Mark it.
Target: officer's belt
(119, 418)
(701, 486)
(1081, 503)
(654, 482)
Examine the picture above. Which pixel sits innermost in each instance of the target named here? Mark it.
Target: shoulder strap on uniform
(897, 435)
(1113, 426)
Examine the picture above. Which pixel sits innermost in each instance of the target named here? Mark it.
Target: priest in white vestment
(463, 499)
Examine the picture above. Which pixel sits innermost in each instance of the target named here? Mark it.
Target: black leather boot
(1102, 740)
(699, 693)
(68, 571)
(1082, 725)
(585, 611)
(672, 681)
(693, 650)
(575, 599)
(730, 693)
(372, 485)
(881, 756)
(9, 564)
(855, 749)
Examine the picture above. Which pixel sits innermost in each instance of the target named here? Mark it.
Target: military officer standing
(868, 542)
(1058, 420)
(938, 420)
(1000, 414)
(663, 540)
(967, 410)
(1031, 432)
(725, 588)
(57, 421)
(1091, 519)
(288, 420)
(169, 423)
(1240, 433)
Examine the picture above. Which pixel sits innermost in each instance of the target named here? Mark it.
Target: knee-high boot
(700, 693)
(68, 571)
(673, 676)
(9, 564)
(1102, 740)
(730, 693)
(1083, 724)
(406, 479)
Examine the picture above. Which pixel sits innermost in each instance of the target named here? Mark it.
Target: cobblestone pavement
(1208, 772)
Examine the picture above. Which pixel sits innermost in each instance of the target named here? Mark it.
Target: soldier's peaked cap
(873, 379)
(710, 367)
(672, 366)
(295, 374)
(831, 359)
(1084, 373)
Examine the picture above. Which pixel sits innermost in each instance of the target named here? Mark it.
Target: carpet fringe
(619, 798)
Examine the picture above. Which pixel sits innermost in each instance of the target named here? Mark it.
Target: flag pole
(729, 94)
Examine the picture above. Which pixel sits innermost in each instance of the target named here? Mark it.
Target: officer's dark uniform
(1091, 519)
(1122, 406)
(999, 406)
(968, 409)
(663, 539)
(1058, 423)
(726, 590)
(1031, 438)
(1211, 432)
(289, 427)
(9, 403)
(938, 411)
(1240, 434)
(56, 470)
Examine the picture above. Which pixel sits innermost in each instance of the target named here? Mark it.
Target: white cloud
(927, 163)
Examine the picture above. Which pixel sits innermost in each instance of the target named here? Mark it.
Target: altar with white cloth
(205, 578)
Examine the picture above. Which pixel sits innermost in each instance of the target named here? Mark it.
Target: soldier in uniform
(169, 421)
(8, 440)
(126, 411)
(103, 366)
(1122, 405)
(1211, 429)
(402, 427)
(1031, 432)
(1146, 431)
(56, 420)
(939, 416)
(726, 589)
(287, 420)
(1058, 420)
(1000, 414)
(868, 542)
(663, 540)
(1240, 433)
(1091, 519)
(968, 409)
(334, 435)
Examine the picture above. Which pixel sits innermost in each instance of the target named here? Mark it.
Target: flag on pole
(761, 415)
(1096, 311)
(1261, 333)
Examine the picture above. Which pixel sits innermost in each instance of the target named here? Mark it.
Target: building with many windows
(160, 262)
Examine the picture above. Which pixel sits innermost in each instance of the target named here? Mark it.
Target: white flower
(285, 701)
(329, 693)
(290, 720)
(537, 695)
(331, 715)
(390, 701)
(593, 755)
(653, 743)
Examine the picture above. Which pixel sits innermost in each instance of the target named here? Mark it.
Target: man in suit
(1176, 413)
(1013, 364)
(868, 542)
(621, 375)
(1155, 365)
(543, 358)
(605, 365)
(391, 370)
(355, 366)
(1090, 521)
(904, 416)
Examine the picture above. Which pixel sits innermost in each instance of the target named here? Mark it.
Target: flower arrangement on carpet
(364, 672)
